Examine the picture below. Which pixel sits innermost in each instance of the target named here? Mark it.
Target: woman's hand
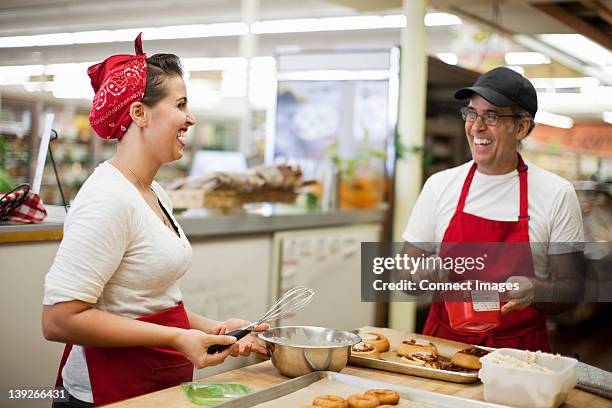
(194, 345)
(248, 343)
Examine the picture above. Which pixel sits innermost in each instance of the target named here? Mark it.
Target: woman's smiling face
(168, 121)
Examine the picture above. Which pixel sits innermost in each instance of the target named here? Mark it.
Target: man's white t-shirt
(554, 210)
(117, 255)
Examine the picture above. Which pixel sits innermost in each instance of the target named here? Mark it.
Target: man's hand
(521, 298)
(248, 343)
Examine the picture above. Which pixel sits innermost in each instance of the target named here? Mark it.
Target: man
(497, 197)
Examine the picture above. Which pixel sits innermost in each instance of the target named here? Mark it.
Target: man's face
(493, 147)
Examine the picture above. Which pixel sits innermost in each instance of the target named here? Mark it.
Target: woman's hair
(160, 67)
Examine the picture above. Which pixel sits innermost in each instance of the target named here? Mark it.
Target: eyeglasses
(490, 118)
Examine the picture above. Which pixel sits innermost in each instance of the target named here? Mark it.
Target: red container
(480, 312)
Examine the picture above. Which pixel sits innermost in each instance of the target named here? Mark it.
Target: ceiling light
(559, 83)
(213, 64)
(19, 74)
(148, 33)
(526, 58)
(301, 25)
(580, 47)
(551, 119)
(199, 31)
(441, 19)
(448, 57)
(334, 75)
(607, 117)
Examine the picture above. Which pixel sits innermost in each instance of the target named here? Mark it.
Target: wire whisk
(292, 301)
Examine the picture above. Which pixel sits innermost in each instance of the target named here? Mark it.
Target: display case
(338, 109)
(73, 151)
(16, 142)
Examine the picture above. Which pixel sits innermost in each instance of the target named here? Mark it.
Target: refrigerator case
(328, 261)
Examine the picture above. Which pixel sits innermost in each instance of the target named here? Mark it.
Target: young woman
(111, 294)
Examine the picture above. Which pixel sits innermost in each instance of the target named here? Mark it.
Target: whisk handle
(238, 334)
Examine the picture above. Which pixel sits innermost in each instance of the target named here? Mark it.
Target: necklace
(158, 206)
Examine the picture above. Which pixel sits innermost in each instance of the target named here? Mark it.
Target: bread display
(276, 183)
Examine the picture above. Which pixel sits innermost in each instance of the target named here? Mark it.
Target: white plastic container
(526, 386)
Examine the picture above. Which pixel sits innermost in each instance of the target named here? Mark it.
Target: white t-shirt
(554, 210)
(117, 255)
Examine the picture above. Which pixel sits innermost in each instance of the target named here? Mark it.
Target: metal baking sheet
(409, 394)
(427, 372)
(391, 362)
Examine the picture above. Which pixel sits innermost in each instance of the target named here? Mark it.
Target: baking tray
(407, 394)
(390, 361)
(427, 372)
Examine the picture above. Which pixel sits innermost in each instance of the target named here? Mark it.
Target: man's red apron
(118, 373)
(523, 329)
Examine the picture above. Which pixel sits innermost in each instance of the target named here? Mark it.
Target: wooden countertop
(264, 375)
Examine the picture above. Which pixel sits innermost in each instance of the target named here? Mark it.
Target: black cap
(503, 87)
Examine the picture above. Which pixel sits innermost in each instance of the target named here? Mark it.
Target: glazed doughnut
(376, 340)
(363, 401)
(469, 358)
(387, 397)
(365, 350)
(416, 346)
(330, 401)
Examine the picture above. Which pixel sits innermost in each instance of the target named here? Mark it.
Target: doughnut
(330, 401)
(363, 401)
(469, 358)
(422, 359)
(416, 346)
(365, 350)
(387, 397)
(376, 340)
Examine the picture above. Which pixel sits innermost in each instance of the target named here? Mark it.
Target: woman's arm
(79, 323)
(202, 323)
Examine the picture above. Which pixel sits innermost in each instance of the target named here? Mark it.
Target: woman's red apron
(523, 329)
(118, 373)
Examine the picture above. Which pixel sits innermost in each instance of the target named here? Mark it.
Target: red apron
(522, 329)
(118, 373)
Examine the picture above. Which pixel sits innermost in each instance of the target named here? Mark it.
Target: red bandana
(117, 81)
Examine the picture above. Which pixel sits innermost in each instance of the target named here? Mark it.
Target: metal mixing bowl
(299, 350)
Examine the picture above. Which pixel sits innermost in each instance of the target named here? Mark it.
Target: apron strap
(522, 172)
(466, 188)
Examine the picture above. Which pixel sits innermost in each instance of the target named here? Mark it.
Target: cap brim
(490, 95)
